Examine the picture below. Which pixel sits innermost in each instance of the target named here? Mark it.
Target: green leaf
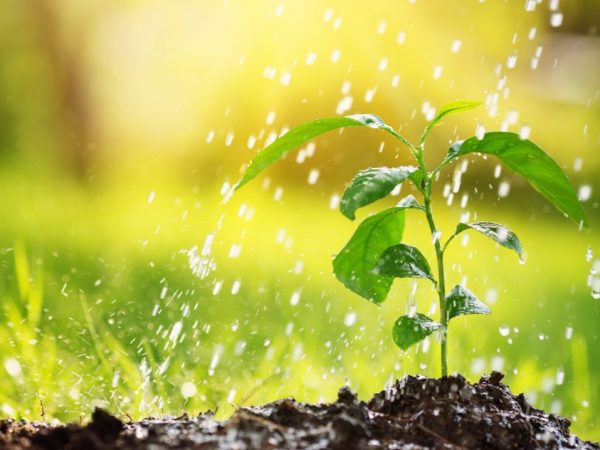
(303, 133)
(528, 160)
(410, 202)
(460, 301)
(408, 330)
(370, 185)
(497, 232)
(448, 109)
(354, 265)
(403, 261)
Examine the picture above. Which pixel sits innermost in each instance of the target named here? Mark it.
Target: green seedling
(375, 254)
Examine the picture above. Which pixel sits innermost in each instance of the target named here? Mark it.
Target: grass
(93, 283)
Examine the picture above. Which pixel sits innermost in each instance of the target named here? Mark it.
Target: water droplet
(229, 138)
(310, 58)
(295, 298)
(503, 189)
(285, 78)
(504, 330)
(369, 94)
(525, 132)
(401, 38)
(437, 72)
(456, 44)
(12, 366)
(278, 194)
(188, 389)
(334, 201)
(335, 55)
(530, 5)
(214, 362)
(313, 176)
(231, 395)
(589, 254)
(270, 118)
(585, 192)
(568, 333)
(383, 64)
(235, 251)
(350, 319)
(511, 62)
(480, 131)
(556, 19)
(560, 376)
(177, 327)
(151, 197)
(235, 287)
(251, 141)
(344, 105)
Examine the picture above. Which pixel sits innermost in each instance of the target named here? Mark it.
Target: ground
(416, 413)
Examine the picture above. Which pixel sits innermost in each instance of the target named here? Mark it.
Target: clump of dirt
(416, 413)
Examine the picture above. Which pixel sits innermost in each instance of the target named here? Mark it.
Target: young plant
(375, 254)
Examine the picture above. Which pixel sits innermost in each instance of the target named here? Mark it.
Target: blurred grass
(90, 299)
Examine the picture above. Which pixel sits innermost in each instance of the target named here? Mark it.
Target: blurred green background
(124, 282)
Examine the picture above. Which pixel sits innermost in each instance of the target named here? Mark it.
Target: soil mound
(416, 413)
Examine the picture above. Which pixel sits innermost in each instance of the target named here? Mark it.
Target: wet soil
(415, 413)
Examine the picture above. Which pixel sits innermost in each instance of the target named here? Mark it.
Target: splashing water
(202, 264)
(593, 280)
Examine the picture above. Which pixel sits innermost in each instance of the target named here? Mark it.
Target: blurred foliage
(120, 122)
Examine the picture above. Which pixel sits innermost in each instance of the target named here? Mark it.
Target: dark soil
(416, 413)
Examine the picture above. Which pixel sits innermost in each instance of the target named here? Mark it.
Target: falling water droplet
(456, 44)
(350, 319)
(151, 197)
(313, 176)
(295, 298)
(503, 189)
(556, 19)
(480, 131)
(188, 389)
(585, 192)
(568, 333)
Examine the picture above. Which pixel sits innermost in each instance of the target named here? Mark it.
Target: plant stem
(441, 287)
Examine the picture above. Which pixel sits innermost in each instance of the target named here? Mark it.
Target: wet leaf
(370, 185)
(408, 330)
(528, 160)
(403, 261)
(497, 232)
(303, 133)
(448, 109)
(460, 301)
(410, 202)
(354, 265)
